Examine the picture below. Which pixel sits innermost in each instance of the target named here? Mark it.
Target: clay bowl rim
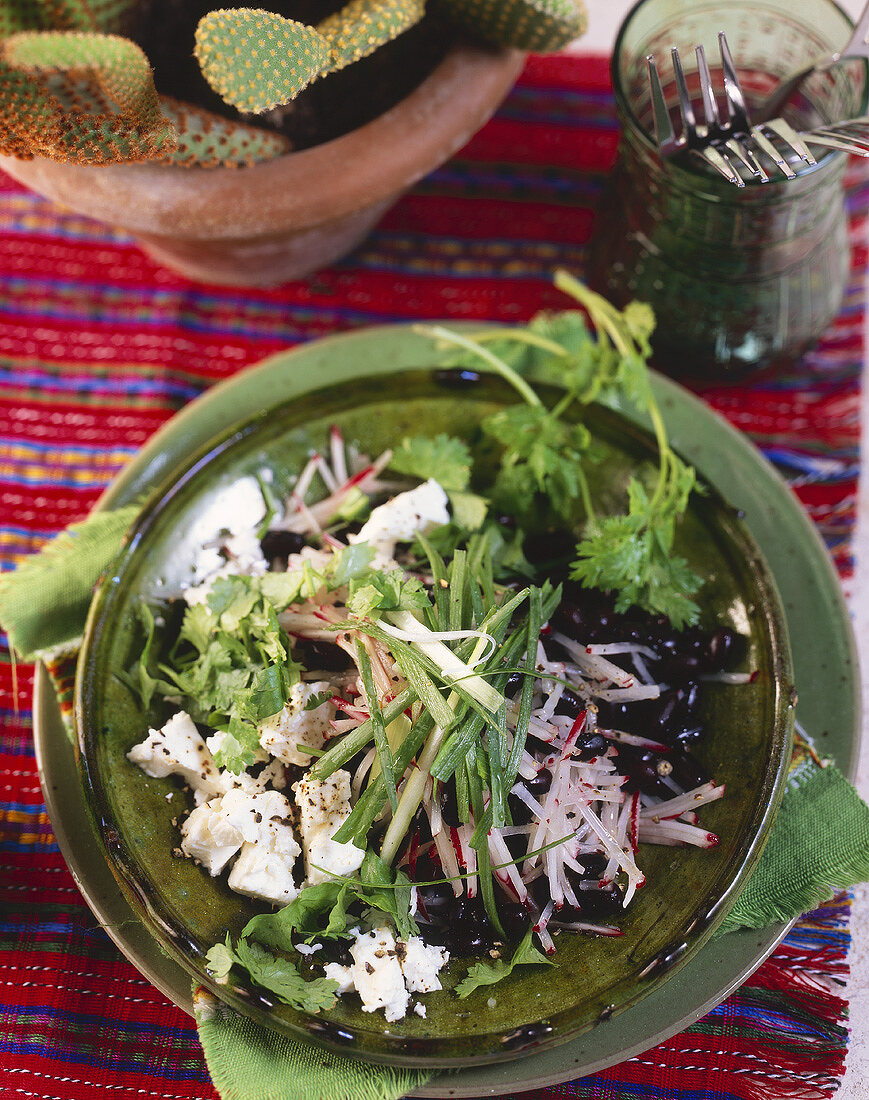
(303, 188)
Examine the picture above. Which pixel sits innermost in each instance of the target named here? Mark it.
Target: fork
(850, 135)
(857, 46)
(719, 141)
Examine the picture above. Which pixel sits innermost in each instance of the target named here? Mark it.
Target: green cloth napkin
(819, 842)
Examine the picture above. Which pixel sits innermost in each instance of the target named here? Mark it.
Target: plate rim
(145, 466)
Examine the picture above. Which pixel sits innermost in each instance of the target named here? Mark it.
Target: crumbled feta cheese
(261, 818)
(419, 1009)
(264, 874)
(323, 807)
(400, 519)
(273, 775)
(421, 964)
(377, 974)
(209, 838)
(294, 725)
(178, 749)
(343, 975)
(245, 557)
(385, 971)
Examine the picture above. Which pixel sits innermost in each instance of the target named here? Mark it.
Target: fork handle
(857, 46)
(775, 101)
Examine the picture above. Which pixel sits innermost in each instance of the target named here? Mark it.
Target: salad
(425, 712)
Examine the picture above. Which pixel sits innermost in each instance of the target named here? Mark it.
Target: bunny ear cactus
(256, 59)
(87, 98)
(358, 29)
(209, 141)
(541, 26)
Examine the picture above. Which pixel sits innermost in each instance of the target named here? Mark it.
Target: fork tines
(720, 143)
(851, 136)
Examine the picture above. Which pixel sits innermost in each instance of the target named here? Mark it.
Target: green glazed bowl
(688, 891)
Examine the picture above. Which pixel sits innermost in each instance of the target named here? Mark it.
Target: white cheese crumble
(421, 964)
(418, 511)
(385, 971)
(245, 557)
(208, 837)
(293, 725)
(264, 874)
(178, 749)
(323, 808)
(255, 825)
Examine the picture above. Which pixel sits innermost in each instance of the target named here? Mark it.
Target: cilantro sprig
(544, 456)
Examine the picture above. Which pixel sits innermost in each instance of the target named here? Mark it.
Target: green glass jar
(741, 279)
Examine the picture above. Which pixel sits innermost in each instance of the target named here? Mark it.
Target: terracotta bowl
(290, 216)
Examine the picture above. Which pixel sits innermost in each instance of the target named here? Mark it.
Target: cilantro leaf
(304, 914)
(220, 959)
(233, 753)
(381, 592)
(484, 973)
(387, 890)
(273, 972)
(542, 455)
(442, 457)
(281, 977)
(318, 699)
(469, 509)
(632, 554)
(349, 564)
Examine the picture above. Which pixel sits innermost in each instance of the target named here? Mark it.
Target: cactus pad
(538, 25)
(87, 98)
(209, 141)
(362, 25)
(256, 59)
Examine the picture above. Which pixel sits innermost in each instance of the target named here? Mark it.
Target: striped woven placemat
(99, 347)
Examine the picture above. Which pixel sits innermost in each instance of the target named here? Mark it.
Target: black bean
(515, 919)
(592, 745)
(280, 544)
(644, 770)
(548, 546)
(597, 902)
(514, 684)
(470, 932)
(537, 788)
(687, 769)
(570, 704)
(689, 736)
(322, 655)
(593, 864)
(659, 718)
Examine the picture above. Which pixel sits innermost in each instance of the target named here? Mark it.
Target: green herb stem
(438, 332)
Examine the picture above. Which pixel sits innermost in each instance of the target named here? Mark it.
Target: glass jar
(740, 279)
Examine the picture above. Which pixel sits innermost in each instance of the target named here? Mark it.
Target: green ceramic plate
(688, 891)
(823, 647)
